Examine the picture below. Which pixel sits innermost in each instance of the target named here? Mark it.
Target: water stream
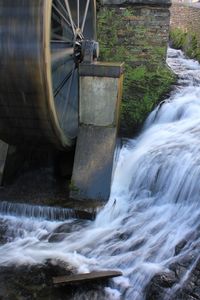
(154, 202)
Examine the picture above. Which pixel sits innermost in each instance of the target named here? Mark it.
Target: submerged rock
(3, 231)
(30, 282)
(180, 247)
(36, 283)
(179, 284)
(159, 285)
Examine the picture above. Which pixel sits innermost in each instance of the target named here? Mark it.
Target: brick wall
(187, 18)
(142, 31)
(136, 32)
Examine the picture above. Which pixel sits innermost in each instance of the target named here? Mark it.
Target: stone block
(99, 100)
(93, 163)
(100, 97)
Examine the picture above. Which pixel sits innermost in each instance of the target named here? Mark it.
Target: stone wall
(186, 17)
(136, 32)
(185, 28)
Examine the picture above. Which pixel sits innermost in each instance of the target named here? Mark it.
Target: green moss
(124, 37)
(142, 92)
(73, 187)
(187, 41)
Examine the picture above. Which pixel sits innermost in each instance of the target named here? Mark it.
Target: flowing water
(154, 202)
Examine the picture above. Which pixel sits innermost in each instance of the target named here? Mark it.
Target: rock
(69, 227)
(161, 284)
(158, 285)
(56, 237)
(180, 246)
(3, 230)
(36, 283)
(178, 270)
(165, 280)
(30, 282)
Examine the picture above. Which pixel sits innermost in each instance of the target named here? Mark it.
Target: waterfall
(44, 212)
(154, 202)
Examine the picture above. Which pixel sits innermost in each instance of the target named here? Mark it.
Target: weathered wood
(30, 112)
(82, 278)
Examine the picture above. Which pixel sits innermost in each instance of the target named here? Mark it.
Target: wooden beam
(82, 278)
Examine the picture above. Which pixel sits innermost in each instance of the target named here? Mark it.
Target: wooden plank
(81, 278)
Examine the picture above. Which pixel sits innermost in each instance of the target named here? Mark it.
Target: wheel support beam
(100, 97)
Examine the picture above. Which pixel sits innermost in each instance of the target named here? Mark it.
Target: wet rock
(36, 283)
(196, 292)
(137, 245)
(187, 260)
(165, 280)
(183, 296)
(56, 237)
(3, 231)
(178, 269)
(31, 282)
(159, 285)
(124, 236)
(60, 232)
(69, 227)
(179, 247)
(188, 287)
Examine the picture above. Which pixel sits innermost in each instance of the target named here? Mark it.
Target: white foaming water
(154, 203)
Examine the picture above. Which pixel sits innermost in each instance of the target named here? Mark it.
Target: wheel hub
(85, 51)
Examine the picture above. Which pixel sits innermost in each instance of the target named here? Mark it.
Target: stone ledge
(102, 69)
(134, 2)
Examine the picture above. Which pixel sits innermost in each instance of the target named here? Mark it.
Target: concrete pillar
(3, 156)
(100, 97)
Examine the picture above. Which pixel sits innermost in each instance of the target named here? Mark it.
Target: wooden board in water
(81, 278)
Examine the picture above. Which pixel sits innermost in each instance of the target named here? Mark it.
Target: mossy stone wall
(138, 35)
(185, 28)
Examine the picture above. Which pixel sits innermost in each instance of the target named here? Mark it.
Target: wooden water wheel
(40, 50)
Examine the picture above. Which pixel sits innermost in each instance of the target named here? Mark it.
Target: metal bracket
(90, 51)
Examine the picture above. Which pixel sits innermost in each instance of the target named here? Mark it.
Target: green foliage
(123, 38)
(178, 37)
(142, 92)
(187, 41)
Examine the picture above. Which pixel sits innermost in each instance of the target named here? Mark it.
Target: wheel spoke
(70, 16)
(68, 93)
(64, 12)
(62, 17)
(57, 42)
(60, 38)
(62, 84)
(57, 29)
(61, 63)
(60, 54)
(62, 26)
(85, 15)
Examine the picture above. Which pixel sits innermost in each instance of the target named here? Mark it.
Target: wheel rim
(72, 21)
(39, 69)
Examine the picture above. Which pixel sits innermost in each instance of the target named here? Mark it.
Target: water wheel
(40, 50)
